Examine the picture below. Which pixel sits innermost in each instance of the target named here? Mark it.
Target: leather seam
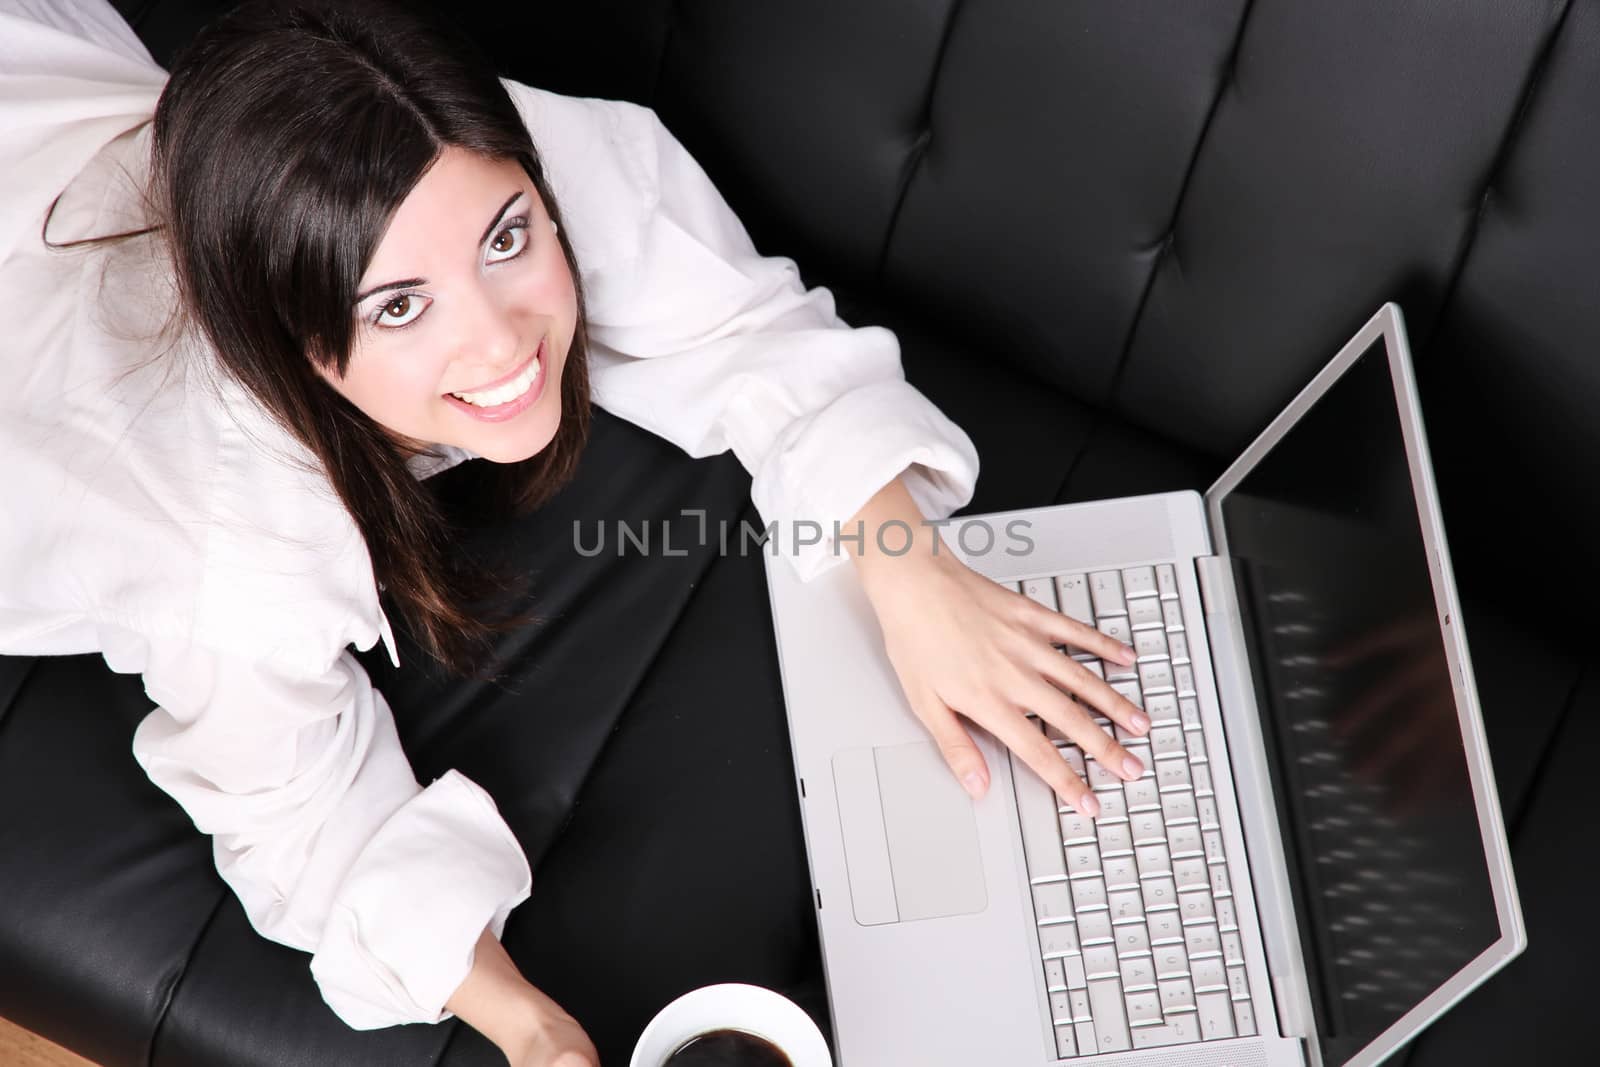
(172, 990)
(1168, 242)
(1497, 164)
(919, 146)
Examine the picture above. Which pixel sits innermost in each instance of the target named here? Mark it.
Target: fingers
(1093, 690)
(1071, 719)
(1065, 630)
(1030, 744)
(960, 752)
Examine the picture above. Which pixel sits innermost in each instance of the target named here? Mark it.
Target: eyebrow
(407, 282)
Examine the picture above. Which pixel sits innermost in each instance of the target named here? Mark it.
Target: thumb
(960, 751)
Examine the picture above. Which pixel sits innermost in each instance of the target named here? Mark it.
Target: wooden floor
(18, 1048)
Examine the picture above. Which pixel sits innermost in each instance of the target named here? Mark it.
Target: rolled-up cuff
(401, 936)
(821, 470)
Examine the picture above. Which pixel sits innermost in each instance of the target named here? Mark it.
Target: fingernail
(1089, 806)
(1140, 721)
(1132, 767)
(1129, 655)
(974, 784)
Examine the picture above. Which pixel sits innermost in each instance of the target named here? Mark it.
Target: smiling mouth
(509, 388)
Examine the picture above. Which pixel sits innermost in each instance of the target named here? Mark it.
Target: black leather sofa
(1114, 238)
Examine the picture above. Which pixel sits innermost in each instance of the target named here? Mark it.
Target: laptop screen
(1387, 865)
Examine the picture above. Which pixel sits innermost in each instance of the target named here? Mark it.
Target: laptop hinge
(1258, 814)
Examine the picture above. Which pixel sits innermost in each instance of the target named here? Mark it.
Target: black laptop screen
(1387, 865)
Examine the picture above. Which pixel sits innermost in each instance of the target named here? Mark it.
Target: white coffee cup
(732, 1006)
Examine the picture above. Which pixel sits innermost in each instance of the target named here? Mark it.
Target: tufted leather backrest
(1174, 211)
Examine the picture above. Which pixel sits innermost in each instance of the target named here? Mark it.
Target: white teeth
(506, 393)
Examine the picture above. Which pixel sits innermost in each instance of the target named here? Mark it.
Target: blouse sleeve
(701, 340)
(320, 828)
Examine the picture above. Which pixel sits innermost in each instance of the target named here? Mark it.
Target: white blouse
(153, 514)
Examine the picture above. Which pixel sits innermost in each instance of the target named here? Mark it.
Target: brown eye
(398, 307)
(502, 241)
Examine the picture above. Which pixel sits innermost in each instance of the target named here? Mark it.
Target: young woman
(332, 255)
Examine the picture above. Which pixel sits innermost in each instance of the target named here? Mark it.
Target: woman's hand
(555, 1040)
(960, 643)
(525, 1024)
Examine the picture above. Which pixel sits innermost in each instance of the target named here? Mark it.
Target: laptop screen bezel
(1387, 327)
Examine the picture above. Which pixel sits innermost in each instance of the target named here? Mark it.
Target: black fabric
(1113, 239)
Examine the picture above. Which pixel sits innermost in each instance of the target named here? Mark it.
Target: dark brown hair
(289, 134)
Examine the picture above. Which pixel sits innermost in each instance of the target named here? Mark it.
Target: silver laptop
(1314, 866)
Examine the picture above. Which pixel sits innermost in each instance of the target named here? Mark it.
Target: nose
(489, 341)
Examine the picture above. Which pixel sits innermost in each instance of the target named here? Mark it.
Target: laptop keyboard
(1135, 911)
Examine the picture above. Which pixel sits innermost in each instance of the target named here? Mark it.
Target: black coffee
(728, 1048)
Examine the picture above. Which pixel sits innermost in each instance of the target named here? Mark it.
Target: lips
(538, 353)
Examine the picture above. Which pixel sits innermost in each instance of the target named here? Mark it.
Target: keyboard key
(1144, 1009)
(1219, 882)
(1232, 949)
(1195, 906)
(1125, 905)
(1244, 1018)
(1173, 774)
(1060, 1009)
(1086, 1041)
(1105, 588)
(1052, 901)
(1178, 647)
(1146, 615)
(1076, 829)
(1149, 642)
(1117, 838)
(1212, 840)
(1058, 939)
(1201, 777)
(1157, 675)
(1176, 995)
(1041, 591)
(1066, 1042)
(1162, 709)
(1183, 677)
(1072, 591)
(1036, 810)
(1099, 776)
(1167, 741)
(1164, 926)
(1225, 916)
(1166, 580)
(1172, 962)
(1207, 807)
(1177, 807)
(1172, 614)
(1130, 692)
(1074, 757)
(1094, 927)
(1113, 807)
(1159, 893)
(1138, 581)
(1078, 1005)
(1201, 940)
(1138, 973)
(1216, 1015)
(1152, 859)
(1088, 893)
(1184, 841)
(1189, 713)
(1147, 827)
(1110, 1019)
(1083, 859)
(1115, 627)
(1209, 977)
(1055, 976)
(1238, 985)
(1118, 672)
(1132, 939)
(1142, 793)
(1191, 874)
(1101, 962)
(1170, 1033)
(1121, 872)
(1073, 965)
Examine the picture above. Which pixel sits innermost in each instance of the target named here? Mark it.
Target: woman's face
(465, 314)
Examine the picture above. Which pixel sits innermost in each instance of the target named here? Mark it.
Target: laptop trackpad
(910, 835)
